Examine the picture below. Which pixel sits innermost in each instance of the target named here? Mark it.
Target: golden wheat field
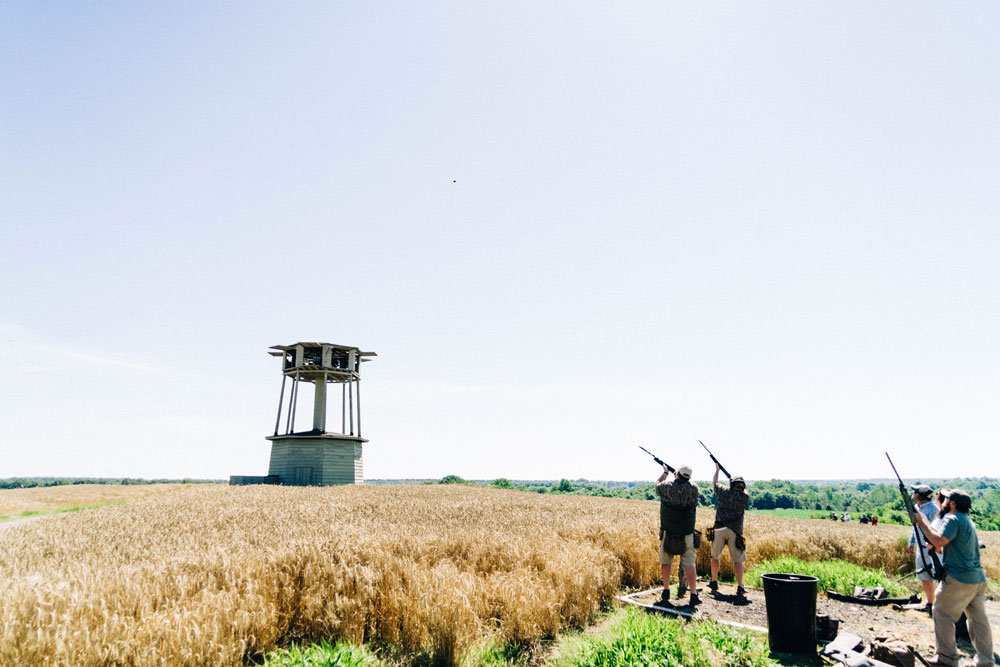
(218, 575)
(49, 498)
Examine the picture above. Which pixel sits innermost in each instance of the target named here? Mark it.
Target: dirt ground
(914, 627)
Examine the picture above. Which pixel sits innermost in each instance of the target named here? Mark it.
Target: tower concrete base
(316, 459)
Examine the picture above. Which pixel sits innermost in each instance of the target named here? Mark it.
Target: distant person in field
(678, 503)
(922, 496)
(731, 504)
(964, 587)
(874, 520)
(864, 519)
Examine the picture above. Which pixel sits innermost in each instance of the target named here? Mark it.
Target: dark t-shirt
(729, 512)
(678, 504)
(961, 554)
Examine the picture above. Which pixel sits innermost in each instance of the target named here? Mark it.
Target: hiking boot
(665, 595)
(682, 591)
(741, 591)
(713, 586)
(694, 599)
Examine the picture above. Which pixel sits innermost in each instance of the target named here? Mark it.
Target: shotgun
(934, 568)
(712, 456)
(669, 468)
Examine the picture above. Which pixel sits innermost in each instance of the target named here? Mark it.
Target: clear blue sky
(567, 229)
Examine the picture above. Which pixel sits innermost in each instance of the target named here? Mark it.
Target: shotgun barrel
(712, 456)
(657, 459)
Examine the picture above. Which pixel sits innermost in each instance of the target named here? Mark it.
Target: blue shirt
(929, 510)
(961, 554)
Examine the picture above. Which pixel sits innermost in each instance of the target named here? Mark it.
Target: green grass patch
(639, 638)
(58, 510)
(323, 654)
(836, 575)
(496, 654)
(633, 637)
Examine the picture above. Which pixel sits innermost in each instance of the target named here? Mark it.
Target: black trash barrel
(791, 612)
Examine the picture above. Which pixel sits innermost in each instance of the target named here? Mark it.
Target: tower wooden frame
(318, 457)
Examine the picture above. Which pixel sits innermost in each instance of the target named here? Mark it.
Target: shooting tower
(318, 457)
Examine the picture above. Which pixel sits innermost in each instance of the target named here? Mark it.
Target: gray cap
(684, 471)
(922, 490)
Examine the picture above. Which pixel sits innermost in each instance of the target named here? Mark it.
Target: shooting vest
(678, 520)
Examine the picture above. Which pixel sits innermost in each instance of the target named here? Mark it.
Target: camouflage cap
(922, 490)
(961, 500)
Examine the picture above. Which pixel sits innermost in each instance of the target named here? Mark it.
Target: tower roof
(288, 348)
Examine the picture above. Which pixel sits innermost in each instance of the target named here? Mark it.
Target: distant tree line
(29, 482)
(815, 499)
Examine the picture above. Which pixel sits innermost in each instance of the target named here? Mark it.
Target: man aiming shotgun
(921, 551)
(928, 564)
(731, 504)
(678, 503)
(681, 578)
(963, 584)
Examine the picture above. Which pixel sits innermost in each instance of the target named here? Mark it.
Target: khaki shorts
(918, 564)
(687, 558)
(723, 537)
